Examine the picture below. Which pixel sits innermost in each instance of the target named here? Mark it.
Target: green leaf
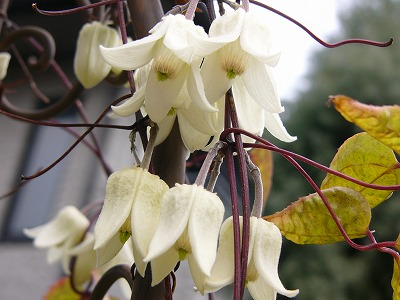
(366, 159)
(396, 281)
(381, 122)
(308, 221)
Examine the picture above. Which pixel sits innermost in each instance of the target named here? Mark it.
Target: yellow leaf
(396, 280)
(263, 160)
(381, 122)
(308, 221)
(61, 290)
(368, 160)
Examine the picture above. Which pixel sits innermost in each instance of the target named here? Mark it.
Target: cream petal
(222, 272)
(4, 62)
(55, 253)
(230, 24)
(204, 224)
(161, 94)
(140, 264)
(130, 106)
(176, 206)
(255, 39)
(146, 210)
(274, 125)
(195, 90)
(267, 249)
(133, 55)
(121, 190)
(192, 139)
(198, 276)
(261, 87)
(250, 114)
(85, 260)
(161, 266)
(107, 252)
(215, 81)
(200, 120)
(164, 128)
(260, 290)
(69, 223)
(176, 37)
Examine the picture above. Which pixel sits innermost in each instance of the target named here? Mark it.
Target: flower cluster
(185, 73)
(167, 225)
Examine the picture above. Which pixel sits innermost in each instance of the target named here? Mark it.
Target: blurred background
(368, 74)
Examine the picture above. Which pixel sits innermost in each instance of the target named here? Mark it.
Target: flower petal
(130, 106)
(69, 223)
(255, 39)
(200, 120)
(215, 81)
(176, 205)
(195, 88)
(146, 210)
(261, 86)
(260, 290)
(135, 54)
(222, 272)
(161, 266)
(250, 114)
(4, 62)
(204, 225)
(161, 94)
(267, 249)
(121, 190)
(107, 252)
(164, 128)
(192, 138)
(198, 276)
(274, 125)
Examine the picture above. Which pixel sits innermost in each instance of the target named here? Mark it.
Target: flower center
(125, 231)
(233, 59)
(166, 64)
(183, 245)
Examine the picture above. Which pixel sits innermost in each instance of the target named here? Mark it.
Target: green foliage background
(370, 75)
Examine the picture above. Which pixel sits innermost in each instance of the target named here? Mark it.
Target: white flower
(189, 224)
(240, 45)
(170, 49)
(89, 66)
(262, 278)
(131, 207)
(4, 61)
(61, 234)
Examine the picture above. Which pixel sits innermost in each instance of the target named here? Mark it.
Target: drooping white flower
(189, 224)
(131, 208)
(170, 49)
(89, 66)
(60, 235)
(262, 278)
(4, 61)
(239, 44)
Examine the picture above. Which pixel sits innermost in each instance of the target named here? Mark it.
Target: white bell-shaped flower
(190, 221)
(262, 278)
(131, 208)
(89, 66)
(61, 234)
(239, 44)
(4, 61)
(170, 49)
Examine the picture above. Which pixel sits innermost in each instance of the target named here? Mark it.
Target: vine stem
(269, 146)
(191, 10)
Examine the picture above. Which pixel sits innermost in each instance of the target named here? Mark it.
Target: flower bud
(89, 66)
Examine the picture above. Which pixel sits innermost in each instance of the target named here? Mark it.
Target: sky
(295, 45)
